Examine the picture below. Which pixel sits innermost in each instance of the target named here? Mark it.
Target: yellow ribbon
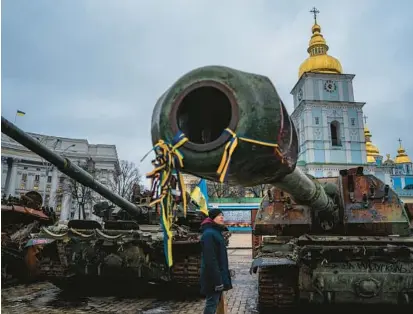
(167, 154)
(230, 148)
(170, 158)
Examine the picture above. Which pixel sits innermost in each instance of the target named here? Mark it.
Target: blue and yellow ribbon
(169, 160)
(232, 145)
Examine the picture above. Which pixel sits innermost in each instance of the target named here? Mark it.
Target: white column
(52, 197)
(4, 165)
(65, 207)
(403, 182)
(11, 188)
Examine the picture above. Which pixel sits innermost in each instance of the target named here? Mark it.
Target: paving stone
(44, 297)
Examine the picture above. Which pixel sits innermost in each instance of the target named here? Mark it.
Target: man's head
(216, 215)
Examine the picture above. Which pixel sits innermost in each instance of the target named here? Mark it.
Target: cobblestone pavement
(46, 298)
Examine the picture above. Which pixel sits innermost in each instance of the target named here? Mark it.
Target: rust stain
(24, 210)
(366, 206)
(282, 210)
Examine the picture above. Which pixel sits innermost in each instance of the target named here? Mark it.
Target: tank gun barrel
(305, 191)
(66, 166)
(235, 119)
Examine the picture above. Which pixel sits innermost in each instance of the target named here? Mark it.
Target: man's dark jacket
(215, 275)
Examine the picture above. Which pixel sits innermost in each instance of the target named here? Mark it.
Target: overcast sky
(95, 68)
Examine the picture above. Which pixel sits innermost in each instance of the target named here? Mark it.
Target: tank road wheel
(277, 287)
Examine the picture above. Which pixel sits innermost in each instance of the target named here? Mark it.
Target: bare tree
(81, 194)
(124, 181)
(216, 189)
(258, 190)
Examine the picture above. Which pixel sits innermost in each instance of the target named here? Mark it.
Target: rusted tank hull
(334, 269)
(88, 255)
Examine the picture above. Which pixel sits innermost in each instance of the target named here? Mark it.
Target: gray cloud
(94, 69)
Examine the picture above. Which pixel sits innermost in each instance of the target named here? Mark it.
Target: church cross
(315, 11)
(400, 142)
(365, 119)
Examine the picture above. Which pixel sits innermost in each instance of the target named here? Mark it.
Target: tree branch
(124, 182)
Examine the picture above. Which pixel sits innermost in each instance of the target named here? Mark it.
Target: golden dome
(401, 157)
(388, 161)
(319, 61)
(371, 150)
(370, 159)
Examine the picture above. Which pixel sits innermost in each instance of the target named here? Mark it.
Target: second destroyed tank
(127, 246)
(21, 217)
(342, 239)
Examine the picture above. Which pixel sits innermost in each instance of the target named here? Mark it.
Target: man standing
(215, 275)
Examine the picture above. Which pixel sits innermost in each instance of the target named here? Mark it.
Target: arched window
(335, 133)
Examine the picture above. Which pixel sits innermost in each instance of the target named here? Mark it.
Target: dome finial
(315, 11)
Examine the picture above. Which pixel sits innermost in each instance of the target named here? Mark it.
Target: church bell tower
(328, 121)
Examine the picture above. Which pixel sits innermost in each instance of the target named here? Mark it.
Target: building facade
(24, 171)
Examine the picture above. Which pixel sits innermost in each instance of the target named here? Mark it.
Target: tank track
(277, 287)
(186, 270)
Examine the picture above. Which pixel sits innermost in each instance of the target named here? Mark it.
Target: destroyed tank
(127, 246)
(20, 217)
(342, 239)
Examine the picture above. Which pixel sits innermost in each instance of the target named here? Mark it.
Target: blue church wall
(319, 155)
(319, 145)
(339, 156)
(352, 114)
(355, 153)
(408, 180)
(345, 97)
(316, 89)
(397, 182)
(317, 113)
(379, 162)
(330, 96)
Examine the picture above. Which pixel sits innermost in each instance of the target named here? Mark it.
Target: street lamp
(49, 167)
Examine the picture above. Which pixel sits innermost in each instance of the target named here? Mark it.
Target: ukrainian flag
(200, 196)
(20, 113)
